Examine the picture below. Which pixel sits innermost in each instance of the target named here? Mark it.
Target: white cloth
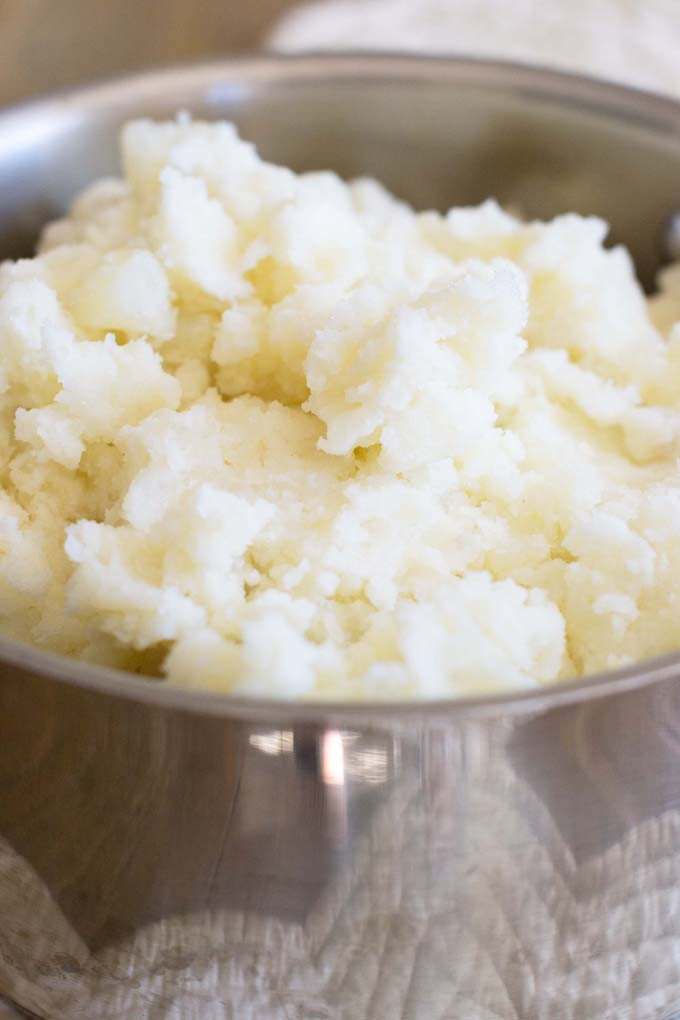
(376, 949)
(632, 41)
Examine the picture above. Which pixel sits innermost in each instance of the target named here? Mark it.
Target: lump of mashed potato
(282, 435)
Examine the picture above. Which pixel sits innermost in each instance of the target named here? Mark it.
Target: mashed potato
(282, 435)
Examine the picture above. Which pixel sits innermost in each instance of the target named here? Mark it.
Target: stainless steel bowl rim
(626, 103)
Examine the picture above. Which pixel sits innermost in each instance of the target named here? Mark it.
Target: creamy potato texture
(283, 435)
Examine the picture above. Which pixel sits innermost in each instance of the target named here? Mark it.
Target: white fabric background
(634, 41)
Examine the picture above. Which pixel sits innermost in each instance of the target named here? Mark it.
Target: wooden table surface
(45, 44)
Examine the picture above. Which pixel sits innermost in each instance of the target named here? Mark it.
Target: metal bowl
(167, 853)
